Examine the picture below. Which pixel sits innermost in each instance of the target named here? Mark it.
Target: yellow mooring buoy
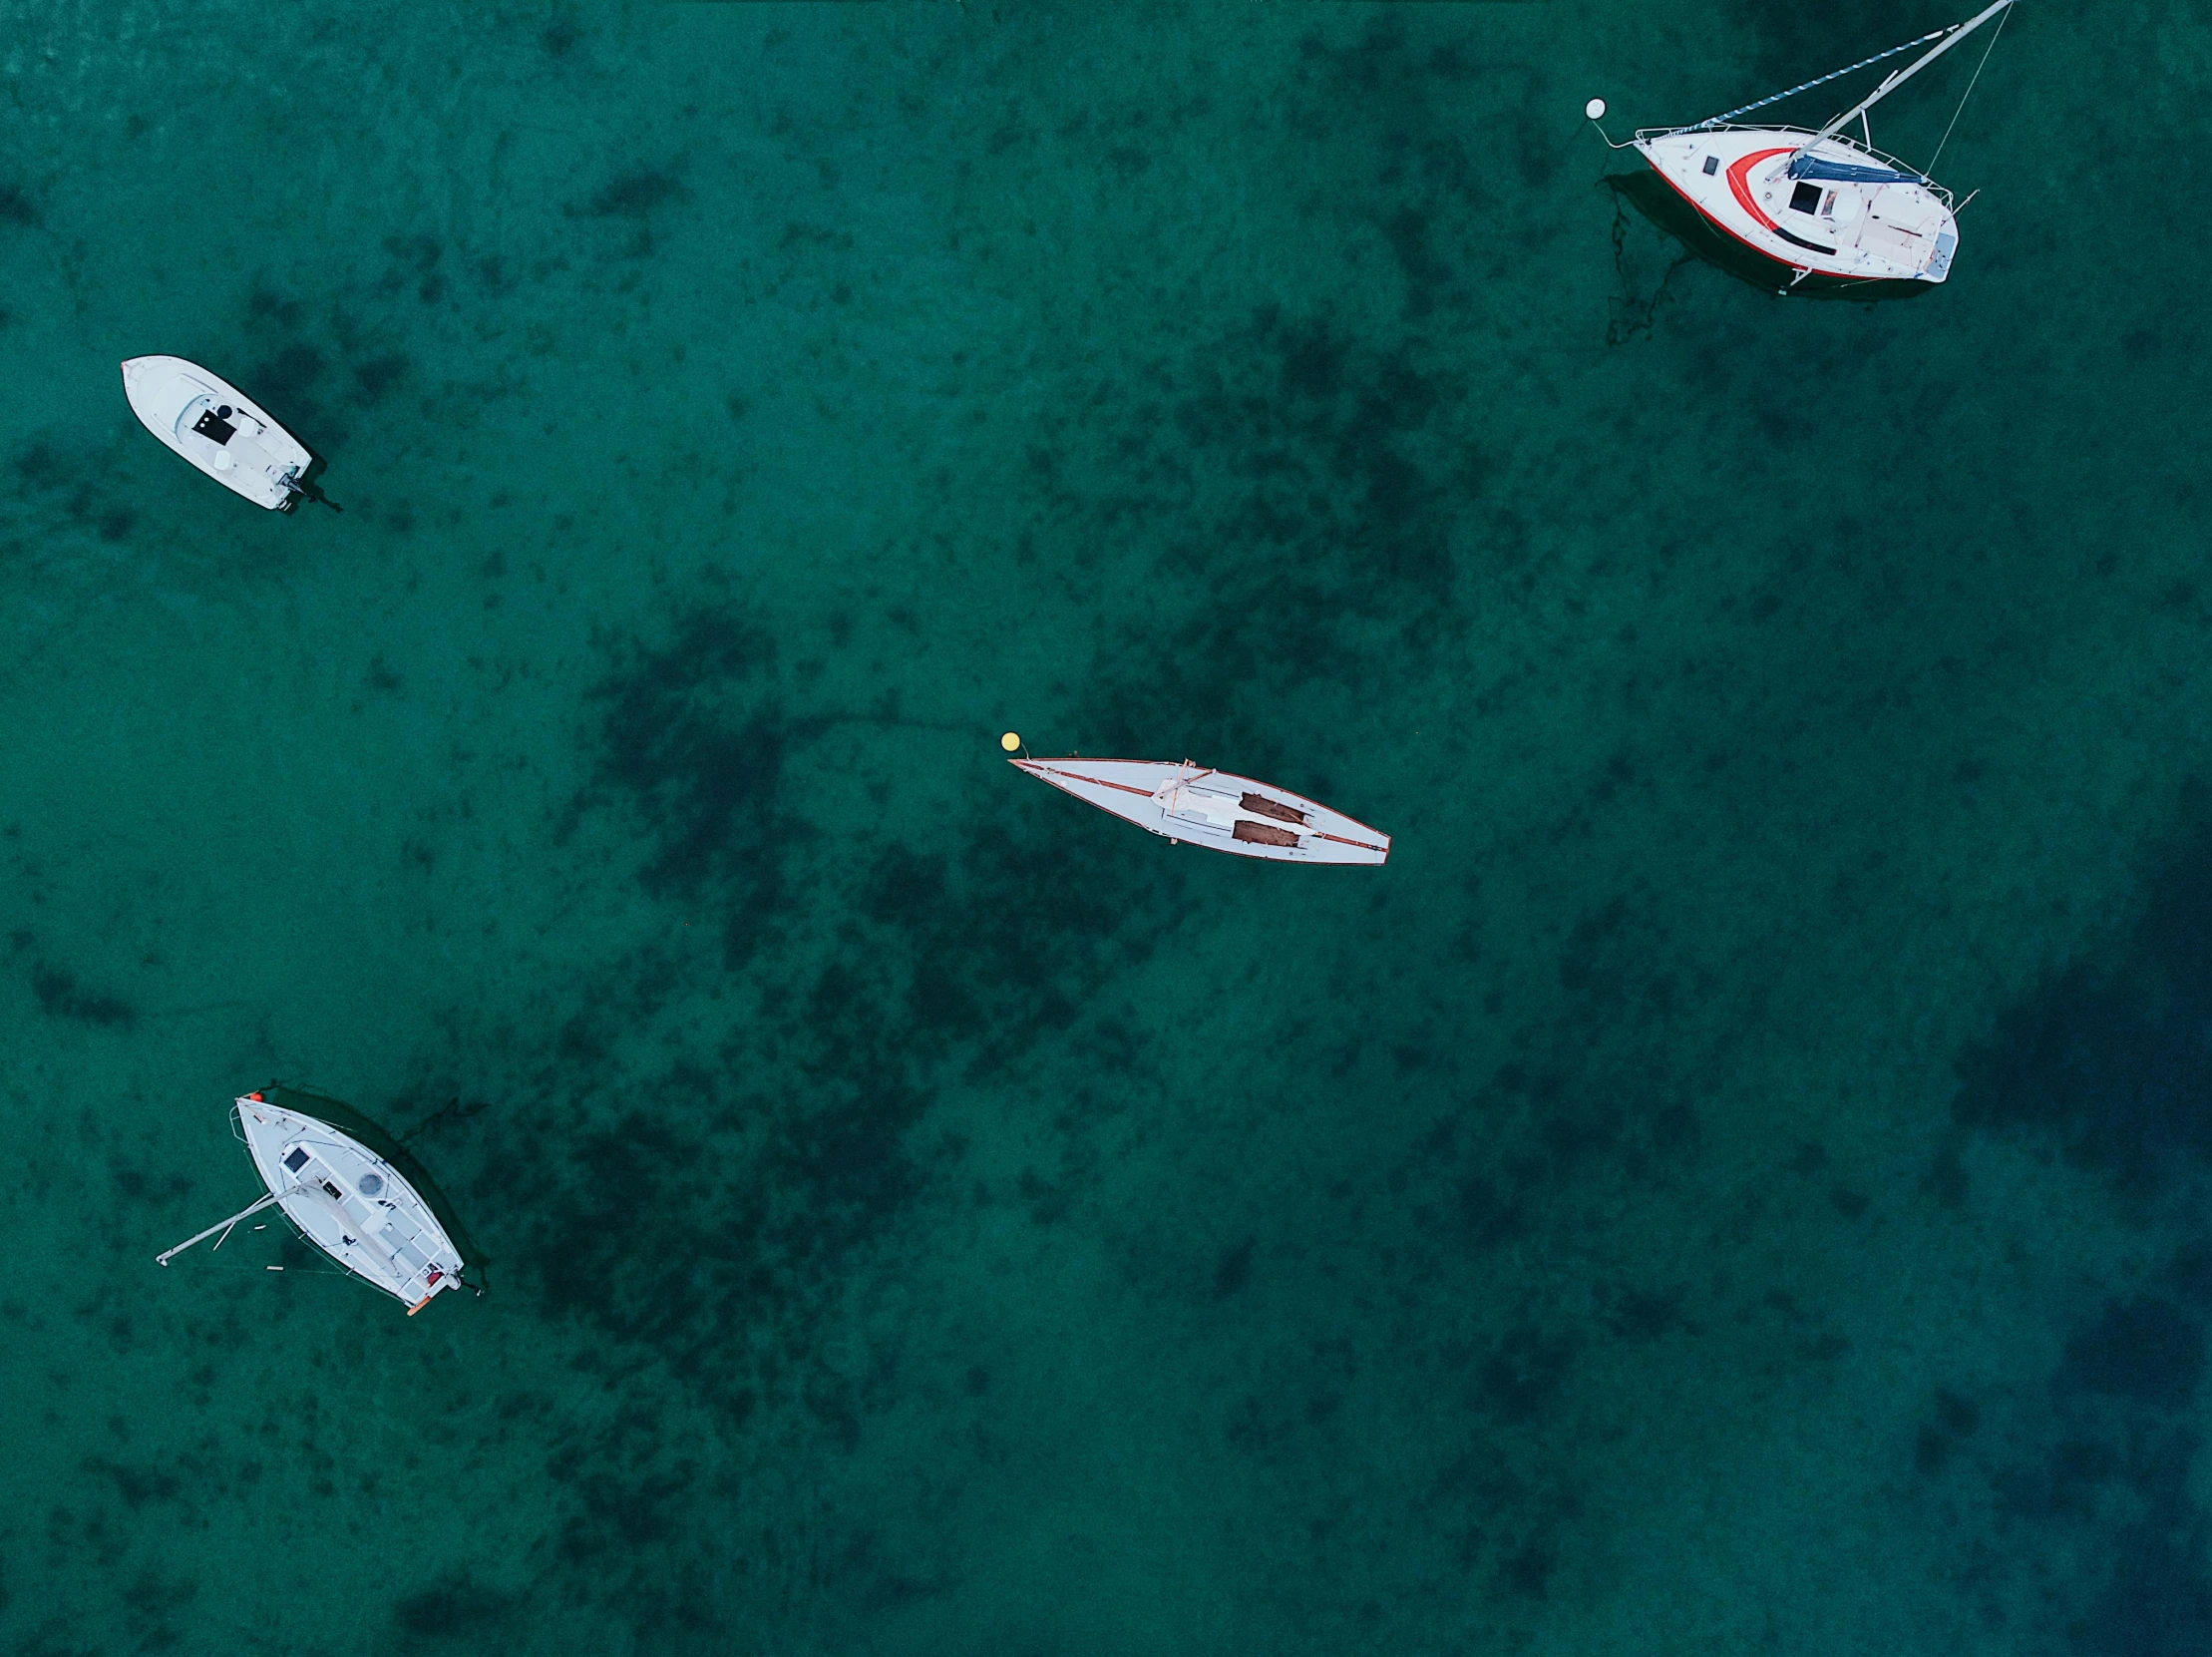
(1010, 741)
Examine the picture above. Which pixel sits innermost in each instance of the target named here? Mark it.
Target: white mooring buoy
(1595, 108)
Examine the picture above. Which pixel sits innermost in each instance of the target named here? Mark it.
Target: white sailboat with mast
(1820, 203)
(343, 1195)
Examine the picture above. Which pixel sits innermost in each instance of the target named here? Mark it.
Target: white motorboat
(216, 427)
(1819, 203)
(343, 1198)
(1212, 808)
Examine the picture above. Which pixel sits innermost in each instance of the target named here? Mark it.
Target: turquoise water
(1731, 1184)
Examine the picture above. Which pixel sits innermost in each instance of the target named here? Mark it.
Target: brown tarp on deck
(1261, 807)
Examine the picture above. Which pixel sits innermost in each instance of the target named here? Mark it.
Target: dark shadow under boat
(1662, 206)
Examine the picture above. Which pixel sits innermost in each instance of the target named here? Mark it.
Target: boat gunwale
(1647, 135)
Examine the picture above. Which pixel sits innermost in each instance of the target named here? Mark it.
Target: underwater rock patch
(2110, 1056)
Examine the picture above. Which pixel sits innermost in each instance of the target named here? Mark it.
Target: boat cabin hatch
(297, 1160)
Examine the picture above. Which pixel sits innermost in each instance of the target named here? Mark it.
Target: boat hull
(1202, 807)
(243, 450)
(350, 1203)
(1736, 179)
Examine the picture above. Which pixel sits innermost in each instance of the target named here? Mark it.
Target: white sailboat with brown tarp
(345, 1197)
(1821, 203)
(1206, 807)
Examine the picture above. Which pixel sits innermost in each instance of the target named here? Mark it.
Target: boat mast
(1899, 77)
(166, 1255)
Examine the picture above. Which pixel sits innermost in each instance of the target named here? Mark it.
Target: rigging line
(1969, 93)
(1809, 85)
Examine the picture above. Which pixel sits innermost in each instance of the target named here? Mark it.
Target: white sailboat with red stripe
(1194, 803)
(1820, 203)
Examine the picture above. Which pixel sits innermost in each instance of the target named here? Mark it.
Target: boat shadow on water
(1658, 205)
(309, 482)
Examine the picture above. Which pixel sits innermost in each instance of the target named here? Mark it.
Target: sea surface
(1733, 1183)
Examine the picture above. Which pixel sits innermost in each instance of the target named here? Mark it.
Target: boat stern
(1947, 243)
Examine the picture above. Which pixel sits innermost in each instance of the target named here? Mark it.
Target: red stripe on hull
(1342, 841)
(1764, 253)
(1740, 187)
(1098, 782)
